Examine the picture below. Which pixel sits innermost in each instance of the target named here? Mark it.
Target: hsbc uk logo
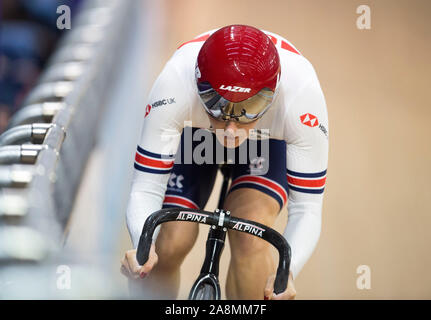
(147, 110)
(158, 104)
(309, 120)
(163, 102)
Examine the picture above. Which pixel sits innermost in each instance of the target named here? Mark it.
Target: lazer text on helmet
(235, 89)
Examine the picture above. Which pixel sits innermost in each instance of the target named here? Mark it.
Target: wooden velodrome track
(377, 208)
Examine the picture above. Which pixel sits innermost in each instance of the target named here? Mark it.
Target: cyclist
(236, 79)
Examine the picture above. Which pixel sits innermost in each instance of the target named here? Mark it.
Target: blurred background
(63, 200)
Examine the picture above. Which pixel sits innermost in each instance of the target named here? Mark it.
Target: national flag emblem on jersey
(306, 182)
(309, 120)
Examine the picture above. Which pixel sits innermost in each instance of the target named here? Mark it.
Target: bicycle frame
(210, 268)
(214, 246)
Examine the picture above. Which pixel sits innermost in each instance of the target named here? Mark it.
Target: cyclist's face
(231, 133)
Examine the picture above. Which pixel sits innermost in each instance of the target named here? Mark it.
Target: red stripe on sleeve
(161, 164)
(315, 183)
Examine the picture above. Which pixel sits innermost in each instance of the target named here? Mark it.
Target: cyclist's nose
(230, 128)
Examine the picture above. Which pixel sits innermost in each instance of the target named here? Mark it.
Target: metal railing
(44, 151)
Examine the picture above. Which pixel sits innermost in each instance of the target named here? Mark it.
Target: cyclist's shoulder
(286, 49)
(195, 42)
(296, 69)
(183, 59)
(188, 50)
(290, 56)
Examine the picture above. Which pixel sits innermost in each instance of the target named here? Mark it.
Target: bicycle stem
(214, 249)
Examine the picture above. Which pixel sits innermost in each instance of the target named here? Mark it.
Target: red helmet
(237, 73)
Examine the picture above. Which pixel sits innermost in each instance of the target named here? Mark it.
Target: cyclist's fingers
(149, 265)
(133, 264)
(124, 263)
(152, 261)
(124, 271)
(125, 268)
(269, 287)
(288, 294)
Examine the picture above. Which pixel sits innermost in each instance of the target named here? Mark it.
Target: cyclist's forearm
(302, 232)
(145, 198)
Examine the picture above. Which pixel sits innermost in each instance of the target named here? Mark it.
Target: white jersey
(298, 116)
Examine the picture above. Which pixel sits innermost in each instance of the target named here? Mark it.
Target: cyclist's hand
(131, 268)
(288, 294)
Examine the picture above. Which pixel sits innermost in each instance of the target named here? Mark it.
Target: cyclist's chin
(231, 134)
(231, 142)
